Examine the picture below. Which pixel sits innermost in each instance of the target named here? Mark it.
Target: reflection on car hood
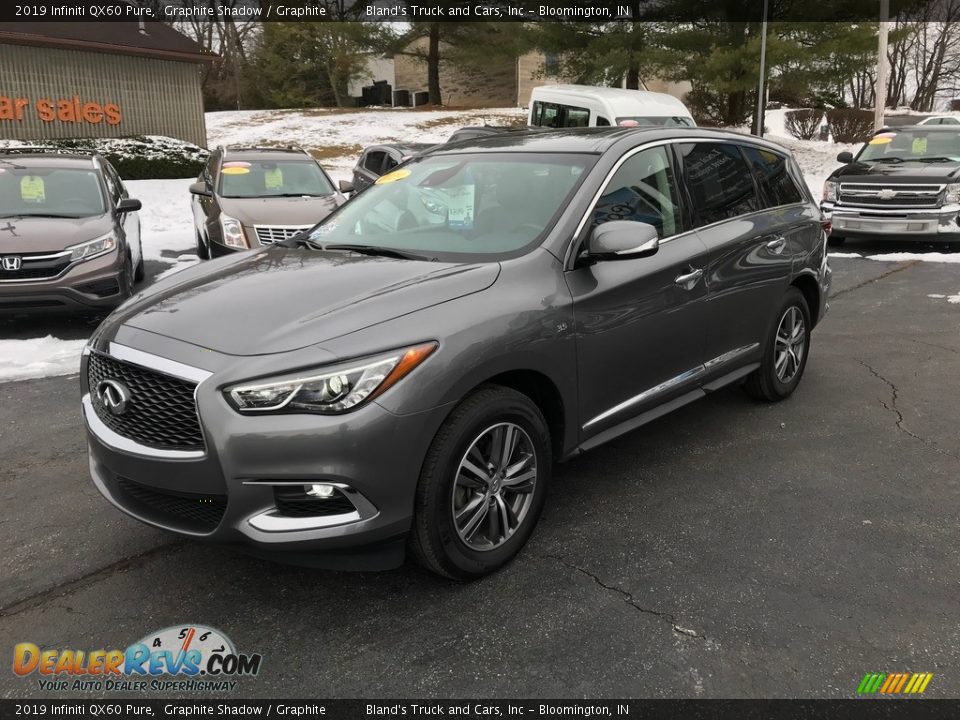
(898, 173)
(306, 211)
(39, 234)
(283, 299)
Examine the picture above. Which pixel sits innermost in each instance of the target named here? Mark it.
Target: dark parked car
(903, 184)
(377, 160)
(69, 233)
(248, 197)
(409, 371)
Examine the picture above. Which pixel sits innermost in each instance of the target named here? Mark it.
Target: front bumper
(871, 223)
(371, 456)
(91, 286)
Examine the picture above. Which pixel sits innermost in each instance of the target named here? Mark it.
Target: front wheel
(203, 248)
(785, 351)
(835, 240)
(483, 484)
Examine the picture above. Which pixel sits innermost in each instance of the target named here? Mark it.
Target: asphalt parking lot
(732, 549)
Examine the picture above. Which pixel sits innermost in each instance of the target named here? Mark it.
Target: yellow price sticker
(235, 170)
(32, 189)
(919, 146)
(393, 176)
(881, 140)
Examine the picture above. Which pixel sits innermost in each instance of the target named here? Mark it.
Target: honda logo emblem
(114, 396)
(11, 262)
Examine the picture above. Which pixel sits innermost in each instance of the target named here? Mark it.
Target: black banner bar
(592, 11)
(860, 709)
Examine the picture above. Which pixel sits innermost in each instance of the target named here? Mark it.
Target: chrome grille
(890, 196)
(277, 233)
(162, 412)
(35, 266)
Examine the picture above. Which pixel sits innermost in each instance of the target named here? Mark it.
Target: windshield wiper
(893, 159)
(379, 251)
(48, 215)
(297, 241)
(937, 158)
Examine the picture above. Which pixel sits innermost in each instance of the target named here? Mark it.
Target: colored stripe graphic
(894, 683)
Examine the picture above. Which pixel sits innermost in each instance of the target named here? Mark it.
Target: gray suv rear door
(749, 259)
(640, 322)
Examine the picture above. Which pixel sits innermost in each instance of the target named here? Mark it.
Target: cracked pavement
(731, 549)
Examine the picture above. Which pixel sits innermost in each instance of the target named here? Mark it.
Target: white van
(560, 106)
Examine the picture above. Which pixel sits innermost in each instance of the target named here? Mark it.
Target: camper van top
(587, 106)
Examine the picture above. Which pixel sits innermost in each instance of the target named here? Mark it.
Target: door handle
(777, 244)
(688, 280)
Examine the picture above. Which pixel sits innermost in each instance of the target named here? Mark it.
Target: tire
(451, 547)
(766, 382)
(203, 250)
(139, 273)
(835, 240)
(126, 279)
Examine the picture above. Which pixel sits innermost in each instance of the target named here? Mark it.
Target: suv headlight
(332, 392)
(830, 188)
(92, 248)
(951, 195)
(232, 232)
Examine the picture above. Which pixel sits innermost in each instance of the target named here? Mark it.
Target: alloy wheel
(791, 343)
(493, 490)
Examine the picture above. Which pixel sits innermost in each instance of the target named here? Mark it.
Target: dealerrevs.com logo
(182, 658)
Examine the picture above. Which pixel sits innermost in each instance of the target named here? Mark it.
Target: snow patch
(937, 257)
(39, 357)
(844, 255)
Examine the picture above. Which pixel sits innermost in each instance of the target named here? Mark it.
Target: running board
(730, 377)
(641, 419)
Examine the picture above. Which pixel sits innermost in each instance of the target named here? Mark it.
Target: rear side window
(602, 121)
(644, 189)
(777, 185)
(374, 161)
(576, 117)
(719, 181)
(546, 114)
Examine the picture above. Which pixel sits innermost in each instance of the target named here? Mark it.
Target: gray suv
(248, 197)
(406, 374)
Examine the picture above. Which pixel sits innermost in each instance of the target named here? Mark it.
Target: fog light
(320, 491)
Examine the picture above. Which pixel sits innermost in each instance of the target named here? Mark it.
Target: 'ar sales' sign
(66, 110)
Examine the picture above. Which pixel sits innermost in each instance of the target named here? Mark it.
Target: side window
(374, 161)
(113, 183)
(777, 185)
(546, 114)
(389, 162)
(602, 121)
(719, 181)
(644, 189)
(576, 117)
(207, 174)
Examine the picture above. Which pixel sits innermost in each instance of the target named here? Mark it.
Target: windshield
(664, 121)
(283, 178)
(461, 205)
(915, 145)
(49, 192)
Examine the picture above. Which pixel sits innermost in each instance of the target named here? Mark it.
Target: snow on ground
(39, 357)
(338, 136)
(166, 221)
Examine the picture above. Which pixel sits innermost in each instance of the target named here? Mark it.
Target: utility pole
(880, 92)
(761, 100)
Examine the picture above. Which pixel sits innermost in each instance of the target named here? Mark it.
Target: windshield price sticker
(919, 146)
(393, 176)
(460, 207)
(235, 170)
(32, 189)
(883, 139)
(273, 179)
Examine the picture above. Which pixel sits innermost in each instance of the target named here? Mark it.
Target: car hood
(898, 173)
(282, 299)
(38, 234)
(306, 211)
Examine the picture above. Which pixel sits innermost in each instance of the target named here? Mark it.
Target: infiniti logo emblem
(114, 396)
(11, 262)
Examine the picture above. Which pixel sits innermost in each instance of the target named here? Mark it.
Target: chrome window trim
(160, 364)
(124, 444)
(673, 382)
(568, 256)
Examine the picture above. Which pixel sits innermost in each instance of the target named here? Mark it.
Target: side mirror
(345, 186)
(200, 188)
(845, 157)
(128, 205)
(623, 240)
